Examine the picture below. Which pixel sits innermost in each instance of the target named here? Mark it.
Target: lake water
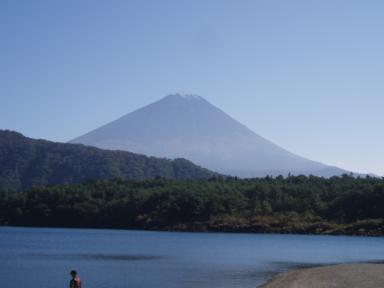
(39, 257)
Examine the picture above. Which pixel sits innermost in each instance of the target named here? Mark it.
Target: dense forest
(26, 162)
(296, 204)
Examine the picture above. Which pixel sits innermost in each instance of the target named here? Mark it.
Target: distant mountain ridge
(188, 126)
(26, 162)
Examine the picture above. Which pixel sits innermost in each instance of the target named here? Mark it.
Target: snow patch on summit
(188, 96)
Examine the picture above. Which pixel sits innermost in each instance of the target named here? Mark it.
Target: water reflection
(97, 257)
(137, 259)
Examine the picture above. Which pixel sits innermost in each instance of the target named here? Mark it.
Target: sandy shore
(340, 276)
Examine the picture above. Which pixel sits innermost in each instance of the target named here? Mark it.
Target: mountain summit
(188, 126)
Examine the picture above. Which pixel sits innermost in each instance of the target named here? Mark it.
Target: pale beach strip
(333, 276)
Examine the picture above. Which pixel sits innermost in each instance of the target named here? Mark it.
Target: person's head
(73, 273)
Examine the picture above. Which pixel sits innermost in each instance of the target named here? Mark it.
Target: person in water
(75, 281)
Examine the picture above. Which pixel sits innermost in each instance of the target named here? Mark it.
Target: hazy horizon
(306, 75)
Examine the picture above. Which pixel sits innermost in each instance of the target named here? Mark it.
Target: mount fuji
(190, 127)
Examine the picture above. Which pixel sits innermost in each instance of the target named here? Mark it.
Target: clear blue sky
(308, 75)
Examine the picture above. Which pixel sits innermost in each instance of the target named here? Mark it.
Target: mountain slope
(26, 162)
(190, 127)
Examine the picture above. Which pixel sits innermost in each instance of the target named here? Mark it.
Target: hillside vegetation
(26, 162)
(297, 204)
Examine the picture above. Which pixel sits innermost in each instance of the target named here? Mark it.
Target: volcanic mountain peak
(184, 96)
(188, 126)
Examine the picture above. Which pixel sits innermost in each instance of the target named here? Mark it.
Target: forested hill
(26, 162)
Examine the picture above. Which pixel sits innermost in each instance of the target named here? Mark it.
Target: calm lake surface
(39, 257)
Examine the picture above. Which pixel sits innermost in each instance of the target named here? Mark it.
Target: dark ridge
(27, 162)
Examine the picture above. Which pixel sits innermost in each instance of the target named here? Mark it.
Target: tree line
(224, 202)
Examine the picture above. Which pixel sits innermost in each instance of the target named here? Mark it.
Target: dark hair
(73, 272)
